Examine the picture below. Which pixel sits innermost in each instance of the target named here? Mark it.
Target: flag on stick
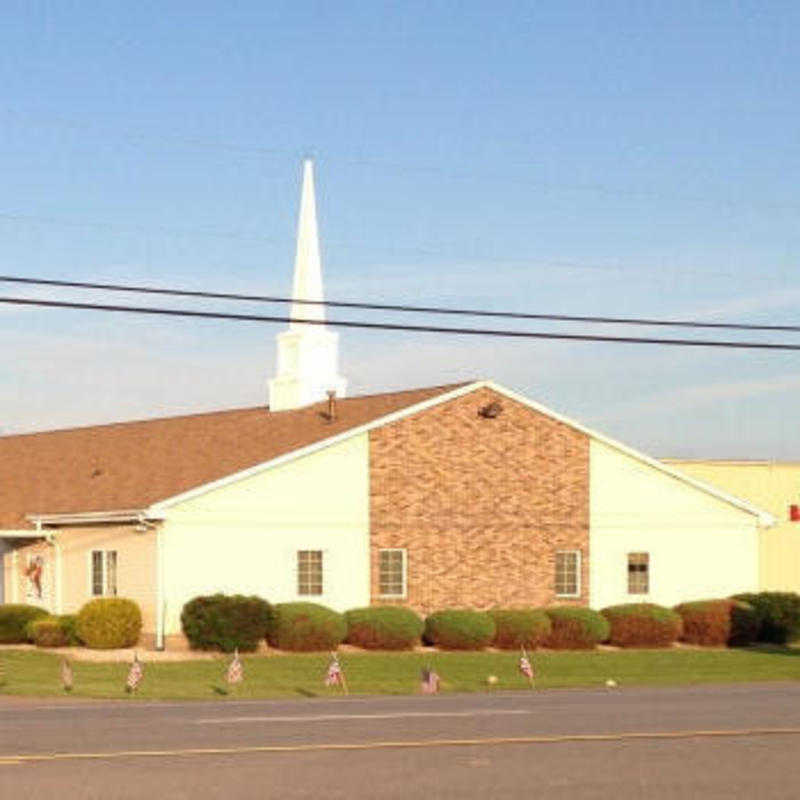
(526, 667)
(67, 676)
(135, 674)
(235, 673)
(335, 674)
(430, 681)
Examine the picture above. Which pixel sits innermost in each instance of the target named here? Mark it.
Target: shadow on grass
(305, 692)
(776, 649)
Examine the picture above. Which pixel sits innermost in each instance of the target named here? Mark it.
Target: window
(392, 573)
(638, 573)
(568, 573)
(104, 573)
(309, 572)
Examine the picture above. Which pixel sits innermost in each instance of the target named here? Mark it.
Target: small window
(392, 573)
(104, 573)
(638, 573)
(309, 571)
(568, 573)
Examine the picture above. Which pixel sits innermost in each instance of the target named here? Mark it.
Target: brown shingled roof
(132, 465)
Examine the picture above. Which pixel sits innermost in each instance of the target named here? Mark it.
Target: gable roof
(132, 465)
(154, 464)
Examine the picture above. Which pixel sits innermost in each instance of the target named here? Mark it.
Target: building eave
(89, 517)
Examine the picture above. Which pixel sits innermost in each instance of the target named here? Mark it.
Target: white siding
(699, 546)
(244, 538)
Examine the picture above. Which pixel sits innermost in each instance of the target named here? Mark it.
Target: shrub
(515, 628)
(107, 623)
(383, 627)
(306, 627)
(14, 619)
(225, 622)
(459, 629)
(642, 625)
(69, 624)
(778, 615)
(718, 622)
(575, 628)
(47, 632)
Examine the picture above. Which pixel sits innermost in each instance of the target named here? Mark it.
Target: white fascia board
(765, 519)
(158, 509)
(84, 517)
(23, 534)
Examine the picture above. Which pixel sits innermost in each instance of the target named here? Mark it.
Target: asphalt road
(710, 742)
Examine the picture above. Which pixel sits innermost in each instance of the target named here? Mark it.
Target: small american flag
(135, 674)
(235, 673)
(430, 681)
(525, 666)
(334, 676)
(67, 678)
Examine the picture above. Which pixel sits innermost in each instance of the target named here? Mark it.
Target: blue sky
(592, 158)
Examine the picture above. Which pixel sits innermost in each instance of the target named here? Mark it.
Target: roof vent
(331, 415)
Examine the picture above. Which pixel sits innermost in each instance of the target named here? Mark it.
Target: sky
(617, 158)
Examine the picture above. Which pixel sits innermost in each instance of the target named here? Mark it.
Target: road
(710, 742)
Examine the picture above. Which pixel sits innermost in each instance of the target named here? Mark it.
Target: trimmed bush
(225, 622)
(717, 623)
(306, 627)
(69, 624)
(14, 619)
(47, 632)
(107, 623)
(576, 628)
(778, 615)
(383, 627)
(642, 625)
(515, 628)
(459, 629)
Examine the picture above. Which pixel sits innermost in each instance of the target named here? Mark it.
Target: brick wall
(481, 505)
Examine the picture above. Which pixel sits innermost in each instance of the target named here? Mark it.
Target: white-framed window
(309, 572)
(104, 573)
(568, 573)
(638, 573)
(392, 572)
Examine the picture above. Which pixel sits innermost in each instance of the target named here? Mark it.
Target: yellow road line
(388, 745)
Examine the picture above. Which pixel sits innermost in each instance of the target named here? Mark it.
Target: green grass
(37, 674)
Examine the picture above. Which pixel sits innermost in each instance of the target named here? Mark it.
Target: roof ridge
(237, 410)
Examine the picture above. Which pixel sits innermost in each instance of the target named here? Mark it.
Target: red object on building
(794, 513)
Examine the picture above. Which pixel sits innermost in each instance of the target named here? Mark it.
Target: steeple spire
(307, 354)
(307, 263)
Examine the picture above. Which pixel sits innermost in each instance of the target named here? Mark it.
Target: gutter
(88, 517)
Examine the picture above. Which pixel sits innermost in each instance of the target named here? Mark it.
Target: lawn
(37, 674)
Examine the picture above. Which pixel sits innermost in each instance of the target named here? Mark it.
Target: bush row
(104, 623)
(225, 623)
(308, 626)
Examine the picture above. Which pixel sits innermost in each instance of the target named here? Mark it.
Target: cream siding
(244, 537)
(699, 546)
(774, 486)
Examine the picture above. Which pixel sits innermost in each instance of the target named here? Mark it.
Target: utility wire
(116, 287)
(387, 326)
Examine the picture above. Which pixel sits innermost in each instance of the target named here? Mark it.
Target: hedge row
(104, 623)
(225, 623)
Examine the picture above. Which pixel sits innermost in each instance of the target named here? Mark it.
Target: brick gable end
(481, 505)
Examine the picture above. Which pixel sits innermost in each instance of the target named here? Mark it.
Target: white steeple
(308, 354)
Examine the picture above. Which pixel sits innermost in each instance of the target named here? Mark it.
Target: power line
(388, 326)
(672, 323)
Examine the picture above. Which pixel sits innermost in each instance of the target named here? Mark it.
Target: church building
(466, 495)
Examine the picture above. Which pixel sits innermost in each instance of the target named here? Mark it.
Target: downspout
(145, 525)
(160, 592)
